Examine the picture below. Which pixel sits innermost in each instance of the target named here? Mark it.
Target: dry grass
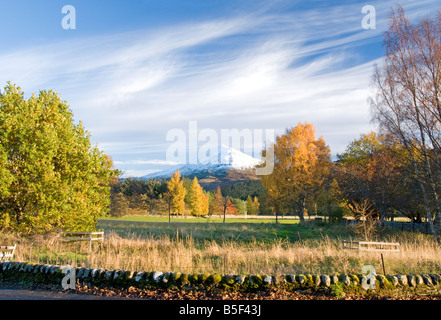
(419, 254)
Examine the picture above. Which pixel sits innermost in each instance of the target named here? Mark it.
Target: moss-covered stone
(291, 278)
(240, 279)
(355, 280)
(175, 277)
(411, 280)
(184, 279)
(427, 280)
(345, 279)
(301, 279)
(325, 280)
(316, 280)
(402, 280)
(203, 277)
(419, 279)
(228, 280)
(435, 279)
(334, 279)
(393, 280)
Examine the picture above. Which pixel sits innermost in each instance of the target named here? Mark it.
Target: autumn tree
(197, 200)
(218, 202)
(176, 193)
(51, 176)
(301, 162)
(230, 208)
(253, 205)
(119, 205)
(407, 100)
(372, 168)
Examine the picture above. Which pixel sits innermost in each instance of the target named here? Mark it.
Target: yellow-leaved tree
(176, 193)
(198, 201)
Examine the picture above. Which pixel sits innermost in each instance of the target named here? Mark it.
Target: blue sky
(133, 70)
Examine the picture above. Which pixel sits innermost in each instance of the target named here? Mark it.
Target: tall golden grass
(418, 254)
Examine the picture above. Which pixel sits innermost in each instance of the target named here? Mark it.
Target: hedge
(28, 273)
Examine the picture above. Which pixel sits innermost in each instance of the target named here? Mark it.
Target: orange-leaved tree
(301, 163)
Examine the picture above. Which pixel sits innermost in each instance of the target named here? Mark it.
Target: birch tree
(407, 100)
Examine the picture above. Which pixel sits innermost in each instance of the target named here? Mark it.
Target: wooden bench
(7, 253)
(82, 236)
(371, 246)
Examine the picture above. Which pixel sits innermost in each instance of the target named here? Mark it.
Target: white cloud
(259, 70)
(143, 162)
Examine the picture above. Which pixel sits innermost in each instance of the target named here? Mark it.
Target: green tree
(51, 177)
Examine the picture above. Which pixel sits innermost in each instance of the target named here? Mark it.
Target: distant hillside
(226, 167)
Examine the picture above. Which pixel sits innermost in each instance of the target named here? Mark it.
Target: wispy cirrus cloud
(271, 68)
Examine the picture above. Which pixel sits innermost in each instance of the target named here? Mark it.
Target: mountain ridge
(225, 167)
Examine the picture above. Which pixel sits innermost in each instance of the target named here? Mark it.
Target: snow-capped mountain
(216, 164)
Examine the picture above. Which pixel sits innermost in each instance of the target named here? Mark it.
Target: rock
(316, 280)
(94, 273)
(176, 276)
(86, 273)
(229, 279)
(435, 279)
(411, 280)
(402, 280)
(393, 280)
(355, 280)
(268, 280)
(325, 280)
(334, 279)
(382, 279)
(80, 273)
(54, 269)
(345, 279)
(157, 276)
(47, 269)
(301, 279)
(419, 279)
(427, 280)
(240, 279)
(108, 274)
(166, 277)
(291, 278)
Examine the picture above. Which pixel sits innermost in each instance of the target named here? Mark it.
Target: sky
(133, 72)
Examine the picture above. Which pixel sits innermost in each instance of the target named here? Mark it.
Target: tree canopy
(51, 177)
(301, 163)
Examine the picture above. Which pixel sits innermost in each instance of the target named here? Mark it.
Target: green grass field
(237, 229)
(201, 220)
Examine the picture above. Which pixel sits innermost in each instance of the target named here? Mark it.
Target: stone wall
(19, 272)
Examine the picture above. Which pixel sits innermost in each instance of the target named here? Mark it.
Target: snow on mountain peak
(219, 158)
